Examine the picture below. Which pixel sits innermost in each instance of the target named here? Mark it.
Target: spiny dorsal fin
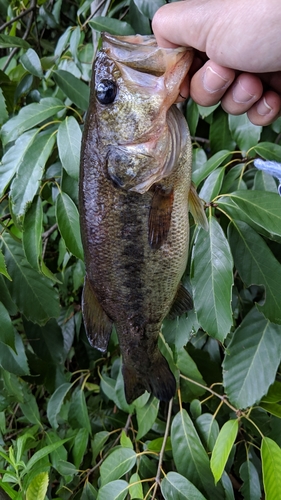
(97, 324)
(182, 303)
(160, 216)
(196, 207)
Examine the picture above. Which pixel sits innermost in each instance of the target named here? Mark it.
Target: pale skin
(237, 53)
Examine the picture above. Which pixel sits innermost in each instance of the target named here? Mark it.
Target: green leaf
(30, 410)
(212, 280)
(212, 185)
(250, 489)
(47, 341)
(33, 294)
(3, 267)
(7, 334)
(176, 487)
(274, 393)
(66, 468)
(190, 457)
(135, 488)
(111, 25)
(31, 63)
(43, 453)
(89, 492)
(14, 361)
(116, 490)
(8, 41)
(125, 441)
(76, 90)
(264, 182)
(156, 444)
(63, 41)
(117, 464)
(146, 416)
(32, 233)
(257, 265)
(268, 150)
(252, 358)
(68, 222)
(13, 158)
(148, 9)
(188, 368)
(244, 133)
(27, 181)
(69, 145)
(3, 109)
(30, 116)
(223, 447)
(272, 408)
(78, 411)
(98, 443)
(55, 403)
(271, 468)
(220, 137)
(203, 170)
(80, 446)
(208, 430)
(261, 207)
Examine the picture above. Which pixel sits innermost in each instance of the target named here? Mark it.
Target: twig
(200, 139)
(162, 451)
(5, 217)
(49, 231)
(22, 14)
(93, 13)
(89, 472)
(25, 35)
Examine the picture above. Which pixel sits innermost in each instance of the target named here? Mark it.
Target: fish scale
(134, 231)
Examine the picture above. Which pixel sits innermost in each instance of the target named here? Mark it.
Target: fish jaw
(139, 153)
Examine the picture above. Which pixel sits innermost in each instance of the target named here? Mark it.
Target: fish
(135, 182)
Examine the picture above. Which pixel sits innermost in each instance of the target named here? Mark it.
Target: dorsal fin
(97, 324)
(160, 216)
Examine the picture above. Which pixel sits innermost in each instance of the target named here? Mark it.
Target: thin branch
(93, 13)
(162, 451)
(25, 35)
(50, 231)
(22, 14)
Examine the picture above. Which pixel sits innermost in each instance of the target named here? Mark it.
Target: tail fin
(158, 380)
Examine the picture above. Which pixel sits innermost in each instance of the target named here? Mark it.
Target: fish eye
(106, 91)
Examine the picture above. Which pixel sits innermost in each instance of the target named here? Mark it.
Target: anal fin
(182, 303)
(196, 207)
(160, 216)
(97, 323)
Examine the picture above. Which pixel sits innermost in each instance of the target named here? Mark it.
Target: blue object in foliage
(270, 167)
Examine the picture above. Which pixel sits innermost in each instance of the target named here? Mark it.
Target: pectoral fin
(196, 208)
(160, 216)
(182, 303)
(97, 323)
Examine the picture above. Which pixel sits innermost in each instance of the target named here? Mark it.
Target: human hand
(237, 57)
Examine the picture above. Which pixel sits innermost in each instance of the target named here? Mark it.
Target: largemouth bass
(134, 188)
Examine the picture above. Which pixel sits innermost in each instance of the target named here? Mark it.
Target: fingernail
(240, 94)
(212, 81)
(263, 107)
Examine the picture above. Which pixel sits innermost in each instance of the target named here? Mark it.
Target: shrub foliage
(66, 431)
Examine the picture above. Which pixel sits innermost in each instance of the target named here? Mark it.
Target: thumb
(185, 23)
